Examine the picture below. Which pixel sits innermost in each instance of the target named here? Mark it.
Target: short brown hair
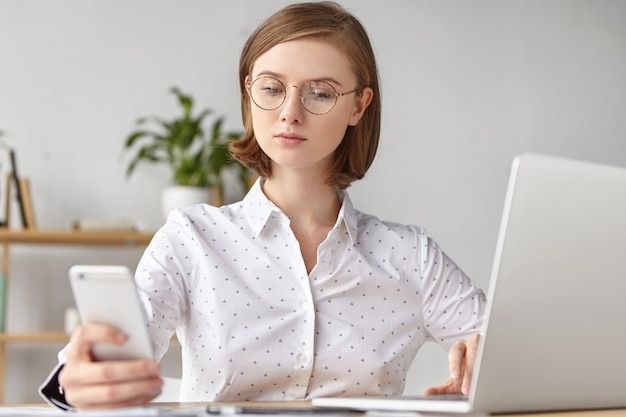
(330, 22)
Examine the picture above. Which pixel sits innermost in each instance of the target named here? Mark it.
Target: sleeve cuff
(52, 392)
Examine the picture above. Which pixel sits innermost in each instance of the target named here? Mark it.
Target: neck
(303, 197)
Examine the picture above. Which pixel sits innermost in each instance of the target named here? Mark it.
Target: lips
(289, 138)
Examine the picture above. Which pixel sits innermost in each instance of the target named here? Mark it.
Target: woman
(291, 293)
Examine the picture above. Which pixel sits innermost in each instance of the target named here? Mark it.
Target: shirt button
(306, 305)
(303, 359)
(326, 260)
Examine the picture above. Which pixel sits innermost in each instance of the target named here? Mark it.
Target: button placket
(304, 336)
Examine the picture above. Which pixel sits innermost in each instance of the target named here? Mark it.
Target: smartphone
(107, 294)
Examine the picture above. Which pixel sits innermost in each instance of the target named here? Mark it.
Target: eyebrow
(279, 76)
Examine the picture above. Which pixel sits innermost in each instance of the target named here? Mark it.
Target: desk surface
(39, 409)
(305, 404)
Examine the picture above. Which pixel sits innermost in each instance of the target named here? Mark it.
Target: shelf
(75, 237)
(65, 237)
(34, 337)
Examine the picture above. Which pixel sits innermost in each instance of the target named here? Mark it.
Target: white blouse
(253, 325)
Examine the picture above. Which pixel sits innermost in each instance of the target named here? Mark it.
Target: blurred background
(466, 85)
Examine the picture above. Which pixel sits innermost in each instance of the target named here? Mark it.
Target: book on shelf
(3, 286)
(18, 188)
(26, 203)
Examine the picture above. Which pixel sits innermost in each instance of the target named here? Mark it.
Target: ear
(360, 105)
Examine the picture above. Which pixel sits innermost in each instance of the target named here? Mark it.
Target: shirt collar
(258, 210)
(257, 207)
(349, 216)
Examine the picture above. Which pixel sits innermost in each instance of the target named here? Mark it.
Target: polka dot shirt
(254, 325)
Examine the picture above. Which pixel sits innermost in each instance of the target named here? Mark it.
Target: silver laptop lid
(556, 333)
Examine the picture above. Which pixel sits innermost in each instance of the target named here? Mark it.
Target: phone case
(107, 294)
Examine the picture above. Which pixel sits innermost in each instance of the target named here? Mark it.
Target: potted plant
(198, 160)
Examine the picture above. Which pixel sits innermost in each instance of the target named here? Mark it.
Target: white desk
(39, 410)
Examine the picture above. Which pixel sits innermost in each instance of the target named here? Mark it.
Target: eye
(320, 94)
(320, 90)
(270, 87)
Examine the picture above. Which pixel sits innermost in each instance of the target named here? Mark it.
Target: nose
(292, 110)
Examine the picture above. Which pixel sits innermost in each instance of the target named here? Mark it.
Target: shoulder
(368, 224)
(409, 241)
(367, 227)
(188, 223)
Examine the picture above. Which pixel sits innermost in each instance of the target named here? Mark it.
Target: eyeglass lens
(317, 97)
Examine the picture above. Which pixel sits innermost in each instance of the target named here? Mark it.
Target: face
(291, 136)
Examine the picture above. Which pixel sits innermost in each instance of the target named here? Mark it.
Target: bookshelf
(32, 236)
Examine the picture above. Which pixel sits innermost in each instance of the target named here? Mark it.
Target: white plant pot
(182, 196)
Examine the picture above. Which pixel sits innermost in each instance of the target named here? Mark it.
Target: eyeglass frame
(337, 94)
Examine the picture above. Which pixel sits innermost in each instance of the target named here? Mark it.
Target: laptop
(555, 333)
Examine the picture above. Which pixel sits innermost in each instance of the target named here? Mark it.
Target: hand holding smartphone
(107, 294)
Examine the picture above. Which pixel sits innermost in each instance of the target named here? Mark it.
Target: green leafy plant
(196, 158)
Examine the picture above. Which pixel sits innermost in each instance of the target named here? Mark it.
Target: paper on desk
(30, 411)
(126, 412)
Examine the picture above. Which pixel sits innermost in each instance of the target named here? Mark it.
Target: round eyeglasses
(317, 97)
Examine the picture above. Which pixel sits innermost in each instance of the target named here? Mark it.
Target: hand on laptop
(108, 384)
(461, 358)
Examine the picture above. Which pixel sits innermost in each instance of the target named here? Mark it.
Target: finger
(86, 335)
(432, 391)
(107, 372)
(470, 359)
(450, 386)
(125, 394)
(105, 384)
(456, 359)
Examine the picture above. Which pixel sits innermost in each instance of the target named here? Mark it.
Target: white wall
(466, 86)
